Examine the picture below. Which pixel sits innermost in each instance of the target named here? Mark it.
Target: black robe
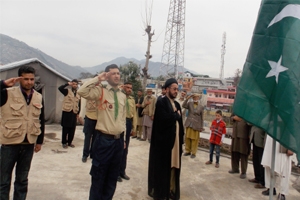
(162, 142)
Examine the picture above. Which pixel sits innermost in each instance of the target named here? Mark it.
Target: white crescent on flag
(291, 10)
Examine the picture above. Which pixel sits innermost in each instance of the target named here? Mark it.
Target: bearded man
(166, 146)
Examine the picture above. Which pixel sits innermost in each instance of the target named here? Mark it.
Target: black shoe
(281, 197)
(233, 171)
(84, 159)
(134, 137)
(193, 156)
(172, 195)
(125, 177)
(266, 192)
(119, 179)
(186, 154)
(65, 146)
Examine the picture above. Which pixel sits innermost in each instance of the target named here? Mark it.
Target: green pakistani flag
(268, 94)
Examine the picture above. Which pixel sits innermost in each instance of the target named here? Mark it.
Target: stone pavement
(59, 174)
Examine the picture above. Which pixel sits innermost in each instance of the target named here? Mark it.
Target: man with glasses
(166, 146)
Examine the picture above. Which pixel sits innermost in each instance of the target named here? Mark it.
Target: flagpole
(272, 181)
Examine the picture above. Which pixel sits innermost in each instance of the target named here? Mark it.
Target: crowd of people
(112, 118)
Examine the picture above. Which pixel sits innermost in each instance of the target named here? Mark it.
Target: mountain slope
(12, 50)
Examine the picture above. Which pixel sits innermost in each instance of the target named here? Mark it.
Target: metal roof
(28, 61)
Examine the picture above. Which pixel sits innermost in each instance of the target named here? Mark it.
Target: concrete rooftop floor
(59, 174)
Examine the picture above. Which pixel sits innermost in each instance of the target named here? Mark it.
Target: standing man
(193, 124)
(111, 125)
(240, 146)
(282, 167)
(163, 92)
(180, 100)
(148, 112)
(70, 111)
(22, 131)
(139, 125)
(130, 127)
(257, 137)
(166, 146)
(89, 130)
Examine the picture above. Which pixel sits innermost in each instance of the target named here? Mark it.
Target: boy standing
(217, 134)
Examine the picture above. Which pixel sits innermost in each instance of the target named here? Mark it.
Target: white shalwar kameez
(282, 166)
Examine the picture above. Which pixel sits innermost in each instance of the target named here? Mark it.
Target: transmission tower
(223, 51)
(173, 51)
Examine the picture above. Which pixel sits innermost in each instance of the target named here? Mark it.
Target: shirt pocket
(34, 128)
(12, 129)
(36, 109)
(68, 106)
(16, 109)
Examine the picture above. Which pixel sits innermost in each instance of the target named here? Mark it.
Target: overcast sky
(88, 33)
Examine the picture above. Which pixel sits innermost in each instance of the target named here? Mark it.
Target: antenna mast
(173, 51)
(223, 51)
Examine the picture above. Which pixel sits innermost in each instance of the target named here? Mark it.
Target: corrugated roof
(28, 61)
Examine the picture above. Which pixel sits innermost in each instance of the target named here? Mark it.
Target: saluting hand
(103, 76)
(12, 81)
(190, 96)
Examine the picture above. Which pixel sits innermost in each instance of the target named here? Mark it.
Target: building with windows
(220, 98)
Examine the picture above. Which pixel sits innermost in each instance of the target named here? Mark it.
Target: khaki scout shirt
(91, 109)
(104, 96)
(132, 112)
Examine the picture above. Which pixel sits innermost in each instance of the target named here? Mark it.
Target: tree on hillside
(131, 72)
(237, 77)
(84, 75)
(161, 78)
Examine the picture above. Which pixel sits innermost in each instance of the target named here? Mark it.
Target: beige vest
(19, 119)
(71, 102)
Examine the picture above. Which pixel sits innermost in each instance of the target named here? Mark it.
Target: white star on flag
(276, 69)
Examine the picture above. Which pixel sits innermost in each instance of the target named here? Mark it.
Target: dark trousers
(21, 155)
(125, 152)
(89, 136)
(259, 171)
(235, 161)
(68, 135)
(107, 155)
(211, 152)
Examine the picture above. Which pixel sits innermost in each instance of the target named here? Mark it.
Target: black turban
(170, 81)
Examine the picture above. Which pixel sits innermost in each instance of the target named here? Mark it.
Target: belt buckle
(117, 136)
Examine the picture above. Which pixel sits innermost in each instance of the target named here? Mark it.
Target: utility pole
(147, 24)
(148, 56)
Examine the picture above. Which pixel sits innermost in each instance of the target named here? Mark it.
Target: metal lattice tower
(173, 51)
(223, 51)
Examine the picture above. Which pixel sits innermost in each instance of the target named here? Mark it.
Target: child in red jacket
(217, 134)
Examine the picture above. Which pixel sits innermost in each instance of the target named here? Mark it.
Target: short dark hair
(127, 83)
(219, 112)
(112, 66)
(141, 90)
(75, 80)
(26, 69)
(184, 91)
(163, 87)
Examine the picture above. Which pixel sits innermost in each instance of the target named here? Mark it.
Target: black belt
(118, 136)
(129, 118)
